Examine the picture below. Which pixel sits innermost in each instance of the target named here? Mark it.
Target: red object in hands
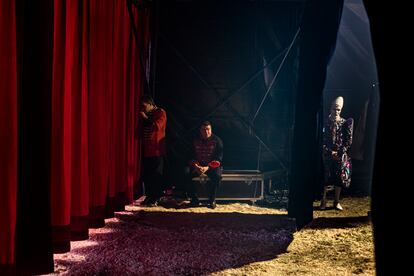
(214, 164)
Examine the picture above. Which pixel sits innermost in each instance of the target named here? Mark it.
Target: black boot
(212, 204)
(194, 202)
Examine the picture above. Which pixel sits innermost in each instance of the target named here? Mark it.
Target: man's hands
(200, 169)
(143, 114)
(335, 155)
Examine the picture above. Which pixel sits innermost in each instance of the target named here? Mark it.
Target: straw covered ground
(233, 239)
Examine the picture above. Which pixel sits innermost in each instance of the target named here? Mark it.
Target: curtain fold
(99, 92)
(80, 160)
(34, 36)
(118, 179)
(8, 134)
(60, 147)
(96, 87)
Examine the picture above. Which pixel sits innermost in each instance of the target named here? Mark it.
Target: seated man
(206, 160)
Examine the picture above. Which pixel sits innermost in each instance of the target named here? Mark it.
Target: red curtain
(70, 177)
(8, 134)
(97, 81)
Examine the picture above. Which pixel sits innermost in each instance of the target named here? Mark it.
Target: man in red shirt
(206, 160)
(154, 149)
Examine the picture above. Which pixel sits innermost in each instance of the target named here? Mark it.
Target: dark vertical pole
(319, 27)
(391, 233)
(35, 52)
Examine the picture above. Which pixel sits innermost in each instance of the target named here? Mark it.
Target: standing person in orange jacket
(154, 149)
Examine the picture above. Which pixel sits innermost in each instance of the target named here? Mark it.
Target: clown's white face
(336, 112)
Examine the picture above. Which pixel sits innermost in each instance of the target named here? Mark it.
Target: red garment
(207, 150)
(154, 133)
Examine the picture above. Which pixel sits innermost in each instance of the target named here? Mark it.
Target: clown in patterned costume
(337, 140)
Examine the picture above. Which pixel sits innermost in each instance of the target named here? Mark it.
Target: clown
(337, 140)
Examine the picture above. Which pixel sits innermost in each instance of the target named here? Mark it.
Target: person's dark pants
(153, 168)
(213, 183)
(333, 174)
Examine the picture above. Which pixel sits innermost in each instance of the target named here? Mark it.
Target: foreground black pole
(319, 27)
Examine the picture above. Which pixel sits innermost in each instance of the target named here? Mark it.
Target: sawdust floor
(233, 239)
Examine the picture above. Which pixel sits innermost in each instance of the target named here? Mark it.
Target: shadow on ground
(338, 222)
(149, 242)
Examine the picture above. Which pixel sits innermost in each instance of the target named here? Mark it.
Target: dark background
(208, 64)
(209, 60)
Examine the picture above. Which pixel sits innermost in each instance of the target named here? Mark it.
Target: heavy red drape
(8, 134)
(97, 82)
(70, 177)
